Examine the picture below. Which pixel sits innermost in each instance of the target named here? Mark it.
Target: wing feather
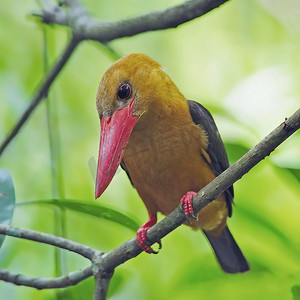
(215, 149)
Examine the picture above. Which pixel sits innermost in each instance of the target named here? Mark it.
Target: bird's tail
(228, 252)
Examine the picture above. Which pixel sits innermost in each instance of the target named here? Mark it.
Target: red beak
(115, 133)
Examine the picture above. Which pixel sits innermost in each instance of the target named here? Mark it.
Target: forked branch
(103, 265)
(72, 14)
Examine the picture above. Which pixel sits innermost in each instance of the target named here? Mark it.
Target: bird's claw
(195, 217)
(159, 247)
(143, 242)
(187, 206)
(141, 236)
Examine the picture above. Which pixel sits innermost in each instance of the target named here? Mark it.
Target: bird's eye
(124, 91)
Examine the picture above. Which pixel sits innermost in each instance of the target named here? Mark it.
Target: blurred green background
(242, 62)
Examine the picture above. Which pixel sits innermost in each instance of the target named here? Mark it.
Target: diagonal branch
(41, 93)
(104, 264)
(87, 28)
(210, 192)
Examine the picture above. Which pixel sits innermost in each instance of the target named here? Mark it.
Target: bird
(170, 149)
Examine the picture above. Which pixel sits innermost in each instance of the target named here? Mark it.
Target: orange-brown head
(128, 89)
(141, 76)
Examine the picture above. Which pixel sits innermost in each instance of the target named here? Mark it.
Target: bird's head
(127, 90)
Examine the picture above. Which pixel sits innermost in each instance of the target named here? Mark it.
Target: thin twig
(49, 239)
(42, 92)
(45, 283)
(104, 264)
(83, 28)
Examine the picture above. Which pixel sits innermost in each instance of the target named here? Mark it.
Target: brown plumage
(172, 147)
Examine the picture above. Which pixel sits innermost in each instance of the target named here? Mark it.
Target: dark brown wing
(216, 150)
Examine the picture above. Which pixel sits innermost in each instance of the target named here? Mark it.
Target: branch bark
(45, 283)
(102, 280)
(49, 239)
(210, 192)
(86, 28)
(104, 264)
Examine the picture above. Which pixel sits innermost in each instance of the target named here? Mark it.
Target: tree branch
(210, 192)
(45, 283)
(42, 92)
(102, 279)
(85, 27)
(49, 239)
(104, 264)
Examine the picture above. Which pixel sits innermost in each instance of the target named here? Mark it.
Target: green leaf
(91, 209)
(7, 199)
(296, 292)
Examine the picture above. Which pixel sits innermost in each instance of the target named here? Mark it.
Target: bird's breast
(162, 161)
(165, 162)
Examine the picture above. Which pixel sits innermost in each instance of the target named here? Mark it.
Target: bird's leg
(187, 206)
(142, 237)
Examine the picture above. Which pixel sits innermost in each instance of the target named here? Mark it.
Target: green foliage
(91, 209)
(242, 62)
(7, 199)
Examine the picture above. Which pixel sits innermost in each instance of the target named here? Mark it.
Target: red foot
(187, 205)
(142, 237)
